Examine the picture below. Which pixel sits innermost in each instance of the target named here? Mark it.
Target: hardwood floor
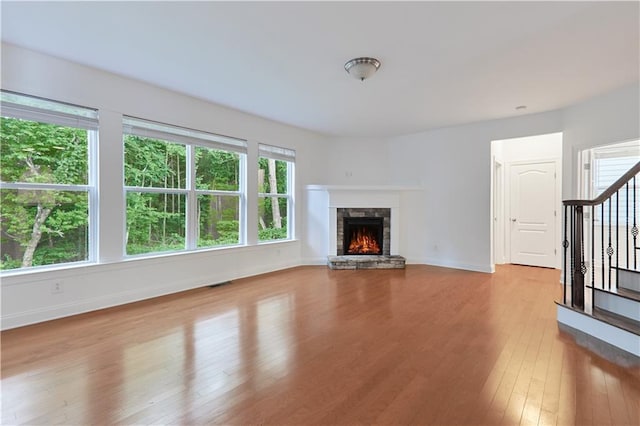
(424, 345)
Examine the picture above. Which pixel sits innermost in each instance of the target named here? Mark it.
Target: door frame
(498, 213)
(558, 196)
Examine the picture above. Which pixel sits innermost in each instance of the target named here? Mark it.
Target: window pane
(218, 220)
(43, 227)
(154, 163)
(272, 218)
(35, 152)
(155, 222)
(272, 174)
(217, 170)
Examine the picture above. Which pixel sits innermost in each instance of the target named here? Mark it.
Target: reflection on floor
(423, 345)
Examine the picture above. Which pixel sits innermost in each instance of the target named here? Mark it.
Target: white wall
(358, 161)
(451, 226)
(530, 148)
(606, 119)
(26, 297)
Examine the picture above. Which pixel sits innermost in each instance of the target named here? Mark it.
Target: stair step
(629, 294)
(604, 327)
(622, 292)
(634, 271)
(628, 278)
(617, 320)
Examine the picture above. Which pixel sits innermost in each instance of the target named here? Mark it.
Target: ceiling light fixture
(362, 68)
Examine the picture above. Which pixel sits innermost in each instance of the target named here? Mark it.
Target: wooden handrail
(615, 186)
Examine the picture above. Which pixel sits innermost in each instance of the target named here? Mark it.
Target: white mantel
(322, 202)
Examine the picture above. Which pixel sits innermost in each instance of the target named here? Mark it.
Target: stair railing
(604, 218)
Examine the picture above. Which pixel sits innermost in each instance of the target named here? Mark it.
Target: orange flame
(363, 242)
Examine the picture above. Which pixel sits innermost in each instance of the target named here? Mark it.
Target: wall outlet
(56, 287)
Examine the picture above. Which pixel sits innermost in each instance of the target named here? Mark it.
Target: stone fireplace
(363, 231)
(337, 213)
(363, 239)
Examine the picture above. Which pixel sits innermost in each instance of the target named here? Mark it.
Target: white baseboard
(62, 310)
(314, 261)
(93, 304)
(454, 265)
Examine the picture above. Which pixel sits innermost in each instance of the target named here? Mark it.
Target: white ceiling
(443, 63)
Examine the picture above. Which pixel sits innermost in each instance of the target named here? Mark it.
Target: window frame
(592, 170)
(288, 156)
(190, 139)
(48, 111)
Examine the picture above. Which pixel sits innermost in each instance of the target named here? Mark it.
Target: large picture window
(184, 188)
(275, 187)
(47, 186)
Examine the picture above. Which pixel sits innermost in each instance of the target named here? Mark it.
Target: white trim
(25, 107)
(172, 133)
(45, 186)
(125, 297)
(155, 190)
(617, 304)
(276, 152)
(362, 188)
(615, 336)
(489, 269)
(314, 261)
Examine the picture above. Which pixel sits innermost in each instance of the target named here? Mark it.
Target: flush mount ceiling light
(362, 68)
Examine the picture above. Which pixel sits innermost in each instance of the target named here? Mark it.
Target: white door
(532, 214)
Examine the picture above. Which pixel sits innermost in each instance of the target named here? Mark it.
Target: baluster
(602, 240)
(617, 236)
(565, 245)
(609, 248)
(593, 253)
(634, 230)
(627, 228)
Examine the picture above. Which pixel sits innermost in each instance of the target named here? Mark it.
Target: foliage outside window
(184, 188)
(275, 187)
(47, 182)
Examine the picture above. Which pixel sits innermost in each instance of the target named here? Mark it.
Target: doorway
(526, 200)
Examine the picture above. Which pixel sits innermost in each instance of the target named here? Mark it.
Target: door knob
(513, 220)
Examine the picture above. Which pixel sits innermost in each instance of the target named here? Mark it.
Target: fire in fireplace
(363, 235)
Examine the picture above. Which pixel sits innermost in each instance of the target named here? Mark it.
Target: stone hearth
(366, 262)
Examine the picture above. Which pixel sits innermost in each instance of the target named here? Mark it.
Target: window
(607, 164)
(184, 188)
(275, 187)
(47, 182)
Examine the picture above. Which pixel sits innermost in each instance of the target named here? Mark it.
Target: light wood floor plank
(308, 345)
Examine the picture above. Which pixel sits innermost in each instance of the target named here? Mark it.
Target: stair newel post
(577, 288)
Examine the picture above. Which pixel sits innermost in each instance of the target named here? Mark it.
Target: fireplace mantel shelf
(362, 188)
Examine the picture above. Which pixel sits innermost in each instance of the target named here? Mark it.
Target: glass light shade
(362, 68)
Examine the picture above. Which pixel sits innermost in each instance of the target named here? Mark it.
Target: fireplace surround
(326, 206)
(375, 221)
